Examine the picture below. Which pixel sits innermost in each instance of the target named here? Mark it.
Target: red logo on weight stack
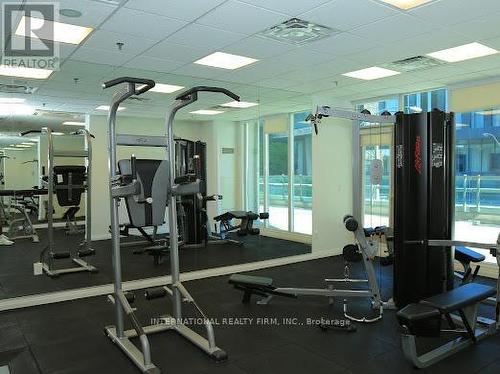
(418, 154)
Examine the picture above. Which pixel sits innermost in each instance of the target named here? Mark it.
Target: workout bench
(424, 319)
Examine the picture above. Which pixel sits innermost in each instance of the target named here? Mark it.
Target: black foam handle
(193, 90)
(148, 83)
(155, 293)
(30, 132)
(133, 167)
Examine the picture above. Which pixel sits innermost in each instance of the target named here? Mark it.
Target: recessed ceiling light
(106, 107)
(371, 73)
(22, 146)
(11, 100)
(239, 104)
(165, 88)
(16, 110)
(225, 61)
(28, 143)
(463, 52)
(405, 4)
(71, 123)
(22, 72)
(13, 149)
(207, 112)
(56, 31)
(57, 133)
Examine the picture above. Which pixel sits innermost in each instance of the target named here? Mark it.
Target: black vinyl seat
(460, 297)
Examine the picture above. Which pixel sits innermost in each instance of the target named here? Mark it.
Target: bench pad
(467, 294)
(249, 280)
(464, 254)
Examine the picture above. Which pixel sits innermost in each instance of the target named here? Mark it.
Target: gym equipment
(244, 228)
(424, 319)
(68, 183)
(122, 186)
(21, 201)
(366, 248)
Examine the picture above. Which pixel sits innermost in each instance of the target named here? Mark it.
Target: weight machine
(68, 183)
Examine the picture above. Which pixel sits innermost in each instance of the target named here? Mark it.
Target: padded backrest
(69, 182)
(153, 178)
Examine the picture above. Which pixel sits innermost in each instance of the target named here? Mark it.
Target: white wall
(17, 174)
(332, 182)
(216, 135)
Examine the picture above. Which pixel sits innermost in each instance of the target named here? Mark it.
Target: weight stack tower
(424, 200)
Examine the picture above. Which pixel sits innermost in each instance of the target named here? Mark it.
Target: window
(376, 148)
(425, 101)
(279, 159)
(477, 176)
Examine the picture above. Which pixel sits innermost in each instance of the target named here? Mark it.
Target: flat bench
(252, 285)
(424, 319)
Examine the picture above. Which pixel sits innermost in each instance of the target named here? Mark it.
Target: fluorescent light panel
(22, 146)
(11, 100)
(16, 110)
(207, 112)
(239, 104)
(22, 72)
(28, 143)
(374, 72)
(13, 149)
(57, 133)
(405, 4)
(62, 32)
(165, 88)
(463, 52)
(106, 107)
(225, 61)
(71, 123)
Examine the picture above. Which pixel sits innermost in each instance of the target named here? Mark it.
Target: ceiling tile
(394, 29)
(485, 27)
(343, 44)
(93, 13)
(290, 7)
(449, 12)
(347, 14)
(152, 63)
(199, 71)
(187, 10)
(101, 56)
(259, 47)
(147, 25)
(245, 18)
(102, 39)
(204, 37)
(80, 69)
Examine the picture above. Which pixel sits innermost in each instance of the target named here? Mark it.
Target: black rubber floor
(16, 262)
(67, 337)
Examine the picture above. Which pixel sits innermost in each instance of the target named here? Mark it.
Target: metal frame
(47, 254)
(468, 319)
(178, 293)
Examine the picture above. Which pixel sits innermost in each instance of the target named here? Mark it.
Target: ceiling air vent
(413, 64)
(17, 89)
(297, 31)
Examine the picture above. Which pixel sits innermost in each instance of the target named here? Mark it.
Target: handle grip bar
(148, 83)
(30, 132)
(196, 89)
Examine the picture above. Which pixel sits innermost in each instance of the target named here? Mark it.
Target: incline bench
(424, 319)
